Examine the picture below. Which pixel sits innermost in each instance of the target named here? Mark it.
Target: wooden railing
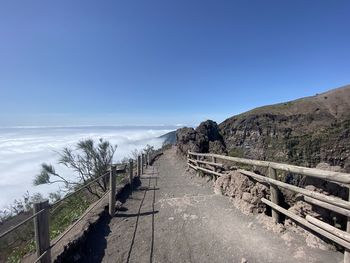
(41, 209)
(197, 161)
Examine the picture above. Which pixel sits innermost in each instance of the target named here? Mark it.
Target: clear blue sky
(165, 62)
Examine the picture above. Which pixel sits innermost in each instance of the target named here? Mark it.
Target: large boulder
(210, 130)
(205, 138)
(244, 193)
(187, 139)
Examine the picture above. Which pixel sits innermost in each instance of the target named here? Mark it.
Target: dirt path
(176, 217)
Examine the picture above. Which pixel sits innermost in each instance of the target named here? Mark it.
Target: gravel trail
(174, 216)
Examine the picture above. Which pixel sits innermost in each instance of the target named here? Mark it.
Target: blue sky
(164, 62)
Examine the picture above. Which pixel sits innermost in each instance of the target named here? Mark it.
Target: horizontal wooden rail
(337, 177)
(205, 162)
(331, 229)
(192, 166)
(305, 223)
(210, 163)
(328, 199)
(315, 195)
(192, 161)
(208, 171)
(331, 203)
(325, 205)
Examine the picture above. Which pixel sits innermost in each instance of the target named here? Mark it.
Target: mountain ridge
(305, 131)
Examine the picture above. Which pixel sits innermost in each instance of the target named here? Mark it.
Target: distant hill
(333, 103)
(305, 131)
(169, 138)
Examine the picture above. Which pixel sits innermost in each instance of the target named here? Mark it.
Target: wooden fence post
(214, 161)
(347, 252)
(131, 175)
(41, 229)
(188, 157)
(112, 187)
(199, 165)
(274, 193)
(138, 165)
(142, 162)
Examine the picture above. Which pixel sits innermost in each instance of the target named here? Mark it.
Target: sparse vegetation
(21, 242)
(148, 149)
(134, 154)
(87, 161)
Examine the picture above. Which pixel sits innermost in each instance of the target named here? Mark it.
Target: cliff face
(306, 131)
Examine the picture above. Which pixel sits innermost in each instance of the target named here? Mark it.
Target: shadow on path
(96, 242)
(137, 223)
(140, 214)
(152, 239)
(93, 250)
(153, 203)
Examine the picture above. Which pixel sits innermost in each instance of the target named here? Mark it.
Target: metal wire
(21, 223)
(77, 191)
(52, 205)
(43, 254)
(79, 219)
(71, 226)
(55, 204)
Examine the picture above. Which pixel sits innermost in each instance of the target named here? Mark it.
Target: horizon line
(91, 125)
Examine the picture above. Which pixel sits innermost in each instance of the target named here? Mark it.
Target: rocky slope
(306, 132)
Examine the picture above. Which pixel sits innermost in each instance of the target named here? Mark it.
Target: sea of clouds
(23, 149)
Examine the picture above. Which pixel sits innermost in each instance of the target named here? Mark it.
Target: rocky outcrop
(244, 193)
(205, 138)
(188, 140)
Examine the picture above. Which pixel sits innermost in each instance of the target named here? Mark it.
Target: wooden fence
(41, 209)
(209, 163)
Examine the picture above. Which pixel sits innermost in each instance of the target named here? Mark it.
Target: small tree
(134, 154)
(87, 161)
(148, 149)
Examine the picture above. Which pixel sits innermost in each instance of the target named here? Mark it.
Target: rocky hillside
(306, 132)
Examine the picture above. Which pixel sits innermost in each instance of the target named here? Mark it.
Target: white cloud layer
(22, 150)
